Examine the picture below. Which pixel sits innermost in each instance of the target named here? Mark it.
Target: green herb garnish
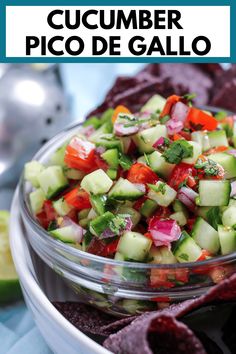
(210, 167)
(177, 151)
(160, 188)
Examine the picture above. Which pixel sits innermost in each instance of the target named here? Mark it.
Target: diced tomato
(78, 198)
(159, 279)
(180, 173)
(204, 255)
(73, 215)
(185, 135)
(108, 272)
(42, 219)
(100, 163)
(199, 120)
(148, 235)
(49, 210)
(96, 246)
(169, 104)
(80, 155)
(132, 148)
(177, 137)
(216, 149)
(138, 204)
(111, 248)
(182, 275)
(161, 299)
(190, 223)
(119, 109)
(140, 173)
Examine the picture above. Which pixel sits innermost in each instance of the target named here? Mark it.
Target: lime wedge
(9, 283)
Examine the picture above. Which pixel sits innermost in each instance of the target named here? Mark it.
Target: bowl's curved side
(61, 336)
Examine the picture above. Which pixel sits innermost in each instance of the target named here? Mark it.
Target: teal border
(4, 3)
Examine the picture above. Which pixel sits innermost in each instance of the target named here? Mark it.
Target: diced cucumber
(98, 203)
(62, 207)
(218, 138)
(125, 190)
(104, 129)
(37, 199)
(112, 173)
(126, 141)
(57, 157)
(186, 249)
(227, 237)
(92, 214)
(32, 170)
(159, 165)
(134, 214)
(52, 181)
(161, 255)
(202, 139)
(155, 104)
(178, 206)
(101, 223)
(86, 240)
(142, 159)
(125, 162)
(96, 182)
(180, 217)
(83, 213)
(65, 234)
(214, 193)
(108, 141)
(148, 208)
(227, 161)
(107, 115)
(197, 150)
(146, 138)
(229, 216)
(134, 246)
(205, 236)
(111, 156)
(161, 193)
(72, 173)
(92, 121)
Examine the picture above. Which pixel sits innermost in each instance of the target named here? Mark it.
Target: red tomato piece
(182, 275)
(159, 278)
(78, 198)
(100, 163)
(80, 155)
(42, 219)
(138, 204)
(140, 173)
(180, 173)
(49, 210)
(199, 120)
(111, 248)
(169, 104)
(216, 149)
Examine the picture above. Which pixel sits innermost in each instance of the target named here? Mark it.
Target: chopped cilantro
(160, 188)
(125, 162)
(210, 167)
(118, 223)
(177, 151)
(220, 115)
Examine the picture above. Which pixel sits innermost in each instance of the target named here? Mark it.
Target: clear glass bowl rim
(26, 213)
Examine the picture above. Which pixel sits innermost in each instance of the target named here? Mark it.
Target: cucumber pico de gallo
(154, 186)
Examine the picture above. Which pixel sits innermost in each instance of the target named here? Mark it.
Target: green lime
(9, 283)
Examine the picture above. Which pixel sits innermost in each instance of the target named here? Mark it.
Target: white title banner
(114, 31)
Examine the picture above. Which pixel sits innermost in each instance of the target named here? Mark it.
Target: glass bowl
(120, 288)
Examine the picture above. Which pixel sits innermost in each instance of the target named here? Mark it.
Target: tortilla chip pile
(211, 84)
(152, 332)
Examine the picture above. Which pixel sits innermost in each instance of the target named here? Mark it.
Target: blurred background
(39, 100)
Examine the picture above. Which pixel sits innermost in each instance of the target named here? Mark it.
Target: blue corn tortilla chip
(157, 333)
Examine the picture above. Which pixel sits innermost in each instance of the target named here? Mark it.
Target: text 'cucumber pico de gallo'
(155, 186)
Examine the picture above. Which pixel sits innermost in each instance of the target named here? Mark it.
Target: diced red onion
(233, 189)
(187, 196)
(164, 232)
(174, 126)
(129, 223)
(159, 142)
(141, 187)
(232, 152)
(121, 130)
(77, 229)
(107, 233)
(179, 112)
(100, 150)
(87, 131)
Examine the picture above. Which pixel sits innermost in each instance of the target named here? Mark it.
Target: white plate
(61, 336)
